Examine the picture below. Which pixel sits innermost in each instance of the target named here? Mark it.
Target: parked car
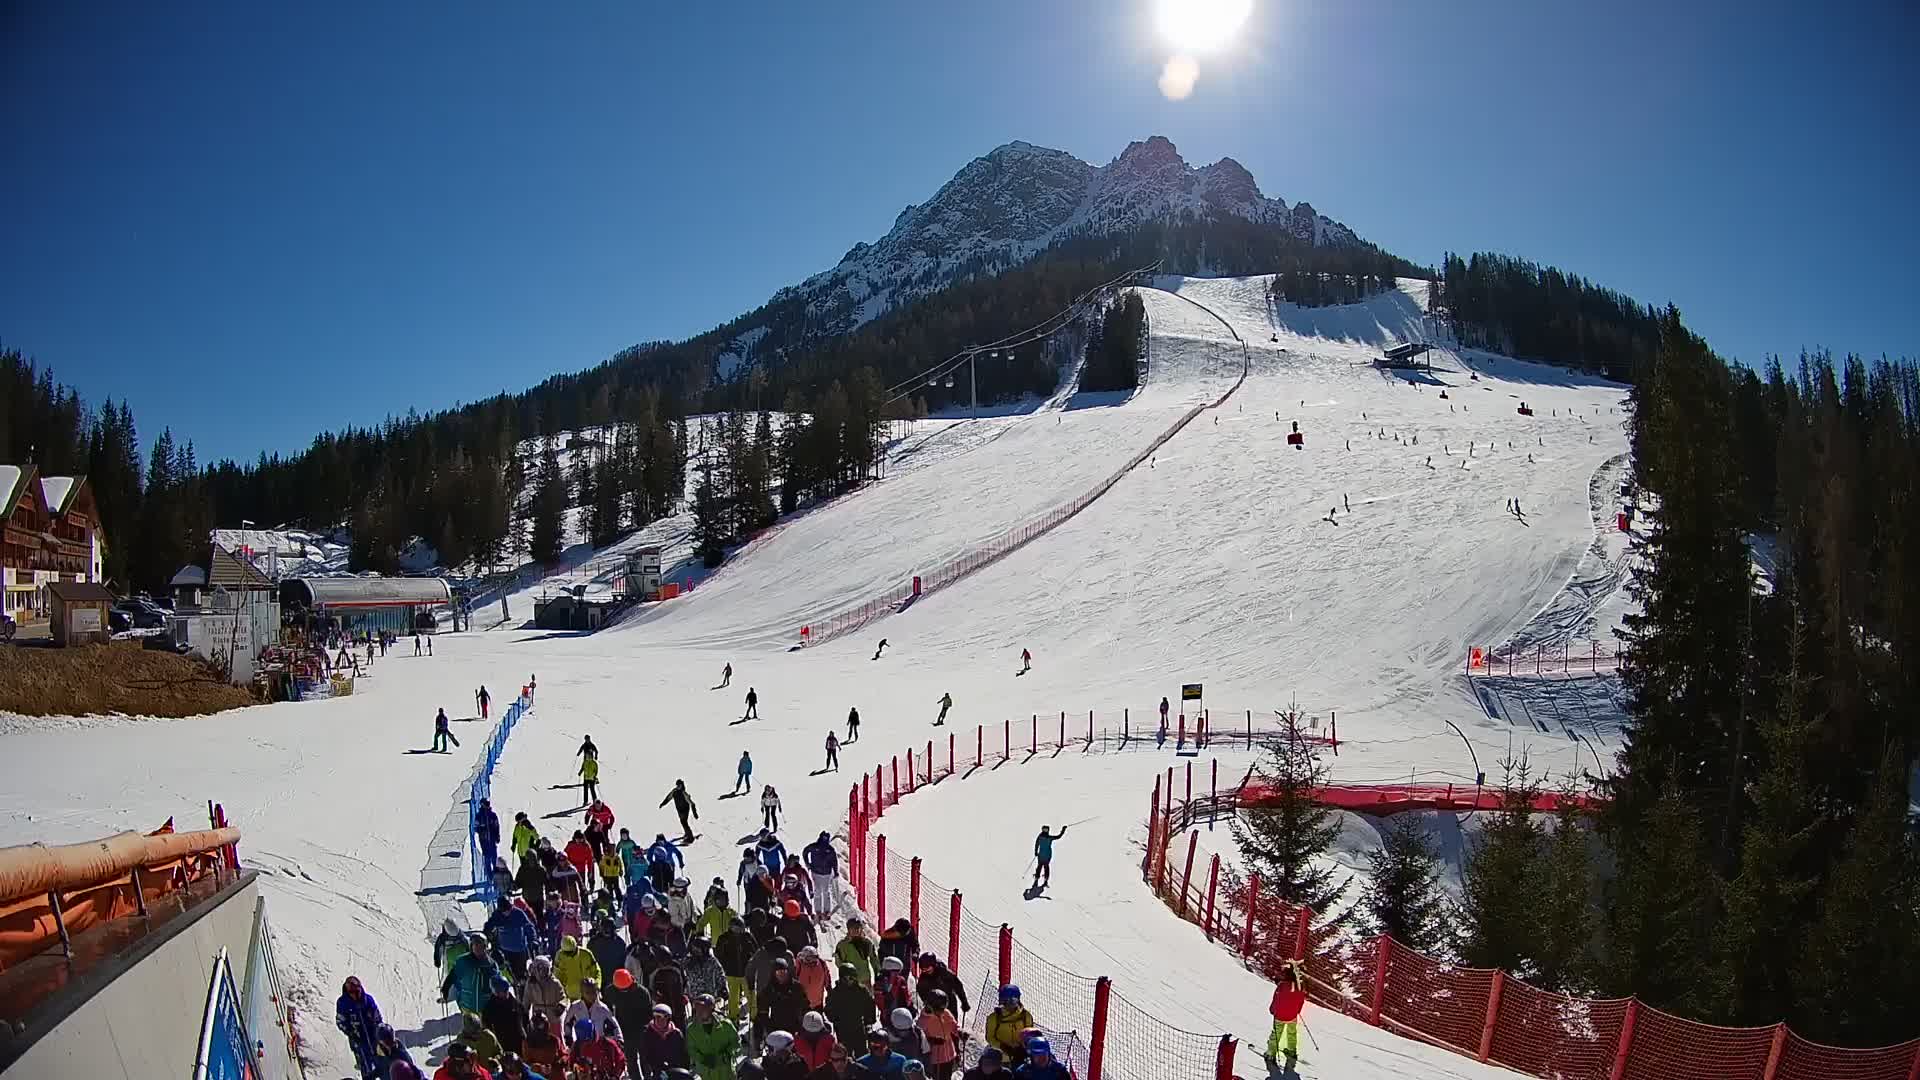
(119, 620)
(6, 628)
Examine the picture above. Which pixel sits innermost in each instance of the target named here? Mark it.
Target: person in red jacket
(1289, 997)
(580, 856)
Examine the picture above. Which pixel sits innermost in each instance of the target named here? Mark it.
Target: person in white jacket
(680, 906)
(770, 808)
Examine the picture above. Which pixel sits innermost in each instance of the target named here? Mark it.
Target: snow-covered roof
(189, 575)
(9, 479)
(56, 489)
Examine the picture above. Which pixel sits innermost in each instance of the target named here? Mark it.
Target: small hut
(79, 612)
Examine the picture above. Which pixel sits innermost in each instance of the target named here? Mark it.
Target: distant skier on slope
(590, 778)
(853, 725)
(726, 674)
(683, 805)
(587, 749)
(743, 780)
(833, 753)
(753, 705)
(882, 648)
(946, 702)
(1026, 661)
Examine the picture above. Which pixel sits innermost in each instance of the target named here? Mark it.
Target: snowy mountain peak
(1008, 206)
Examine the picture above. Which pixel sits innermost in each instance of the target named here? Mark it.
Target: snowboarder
(442, 733)
(590, 777)
(683, 805)
(1026, 661)
(486, 828)
(769, 808)
(833, 752)
(485, 700)
(853, 725)
(1289, 997)
(946, 702)
(823, 862)
(882, 648)
(1043, 854)
(753, 705)
(744, 780)
(726, 675)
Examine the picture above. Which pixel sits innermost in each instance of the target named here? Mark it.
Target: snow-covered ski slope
(1210, 563)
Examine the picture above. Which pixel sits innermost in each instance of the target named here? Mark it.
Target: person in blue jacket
(513, 931)
(357, 1016)
(664, 862)
(386, 1051)
(823, 862)
(1041, 1064)
(880, 1058)
(486, 828)
(772, 853)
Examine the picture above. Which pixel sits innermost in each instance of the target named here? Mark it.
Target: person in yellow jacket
(589, 779)
(719, 912)
(573, 964)
(525, 836)
(612, 868)
(1006, 1022)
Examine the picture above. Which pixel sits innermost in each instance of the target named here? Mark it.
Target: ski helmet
(901, 1019)
(778, 1041)
(1009, 992)
(813, 1023)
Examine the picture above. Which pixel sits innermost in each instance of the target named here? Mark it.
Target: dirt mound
(119, 678)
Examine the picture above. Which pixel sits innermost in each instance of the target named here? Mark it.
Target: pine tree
(1563, 958)
(710, 527)
(1500, 916)
(1770, 900)
(1403, 899)
(1659, 910)
(1286, 839)
(1859, 970)
(549, 509)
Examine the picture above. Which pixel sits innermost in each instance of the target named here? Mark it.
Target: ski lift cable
(1045, 328)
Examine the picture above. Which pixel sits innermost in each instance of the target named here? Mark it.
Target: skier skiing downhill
(753, 705)
(823, 862)
(743, 779)
(484, 699)
(1026, 661)
(726, 675)
(946, 702)
(442, 733)
(853, 725)
(683, 805)
(833, 753)
(881, 649)
(1289, 998)
(1043, 854)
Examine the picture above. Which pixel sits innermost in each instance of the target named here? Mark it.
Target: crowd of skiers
(597, 963)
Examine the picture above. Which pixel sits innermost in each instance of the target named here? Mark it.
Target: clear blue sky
(257, 221)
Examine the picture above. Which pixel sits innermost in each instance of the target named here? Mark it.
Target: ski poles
(1311, 1041)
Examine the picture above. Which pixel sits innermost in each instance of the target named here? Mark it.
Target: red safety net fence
(1094, 1030)
(1484, 1014)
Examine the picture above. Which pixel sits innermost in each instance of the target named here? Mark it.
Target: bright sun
(1200, 25)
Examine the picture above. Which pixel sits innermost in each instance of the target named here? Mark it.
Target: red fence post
(880, 879)
(1213, 795)
(1625, 1046)
(1773, 1052)
(1493, 1014)
(1213, 886)
(1180, 740)
(1097, 1045)
(1300, 936)
(1223, 1060)
(1006, 955)
(1189, 806)
(1089, 728)
(953, 932)
(1063, 728)
(913, 894)
(1186, 878)
(912, 775)
(896, 779)
(929, 761)
(1253, 902)
(1381, 950)
(979, 745)
(1914, 1073)
(1006, 739)
(950, 769)
(1033, 737)
(1153, 828)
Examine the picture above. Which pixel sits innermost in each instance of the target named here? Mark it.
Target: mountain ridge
(1003, 209)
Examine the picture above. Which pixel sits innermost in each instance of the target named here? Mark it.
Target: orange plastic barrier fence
(96, 882)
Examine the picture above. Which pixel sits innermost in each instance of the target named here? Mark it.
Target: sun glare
(1198, 26)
